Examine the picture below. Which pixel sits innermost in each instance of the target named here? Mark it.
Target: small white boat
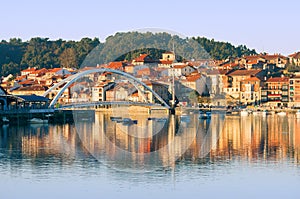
(244, 113)
(298, 114)
(37, 121)
(281, 113)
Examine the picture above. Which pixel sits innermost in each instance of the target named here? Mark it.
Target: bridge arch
(71, 79)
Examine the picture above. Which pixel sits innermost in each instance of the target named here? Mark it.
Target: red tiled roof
(54, 70)
(29, 70)
(295, 55)
(26, 82)
(21, 77)
(32, 88)
(150, 82)
(165, 62)
(229, 65)
(217, 72)
(180, 66)
(252, 61)
(160, 69)
(273, 56)
(115, 65)
(144, 70)
(278, 79)
(223, 71)
(136, 94)
(192, 78)
(251, 79)
(41, 71)
(244, 72)
(87, 68)
(141, 58)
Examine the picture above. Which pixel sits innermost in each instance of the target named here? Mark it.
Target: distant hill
(16, 54)
(223, 50)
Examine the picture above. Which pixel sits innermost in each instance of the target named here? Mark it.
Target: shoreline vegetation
(17, 55)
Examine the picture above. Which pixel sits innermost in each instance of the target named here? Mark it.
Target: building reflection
(152, 140)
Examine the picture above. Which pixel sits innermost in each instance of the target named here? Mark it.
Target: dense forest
(222, 50)
(16, 54)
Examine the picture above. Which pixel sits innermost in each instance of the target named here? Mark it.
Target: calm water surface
(225, 157)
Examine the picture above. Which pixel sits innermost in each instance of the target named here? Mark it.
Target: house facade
(250, 91)
(295, 59)
(275, 92)
(294, 91)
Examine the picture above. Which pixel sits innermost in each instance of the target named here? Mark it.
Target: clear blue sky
(271, 26)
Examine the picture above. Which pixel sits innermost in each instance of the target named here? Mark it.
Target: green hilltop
(16, 55)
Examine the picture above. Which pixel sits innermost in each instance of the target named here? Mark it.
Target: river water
(150, 156)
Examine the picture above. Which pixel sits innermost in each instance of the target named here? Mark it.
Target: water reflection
(224, 157)
(249, 138)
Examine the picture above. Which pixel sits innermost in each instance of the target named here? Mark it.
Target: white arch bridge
(72, 79)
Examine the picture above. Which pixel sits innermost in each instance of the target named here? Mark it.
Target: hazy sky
(271, 26)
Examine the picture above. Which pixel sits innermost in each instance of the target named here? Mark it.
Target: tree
(44, 53)
(10, 68)
(193, 97)
(68, 58)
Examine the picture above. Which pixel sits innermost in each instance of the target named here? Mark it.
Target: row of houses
(260, 61)
(244, 80)
(251, 87)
